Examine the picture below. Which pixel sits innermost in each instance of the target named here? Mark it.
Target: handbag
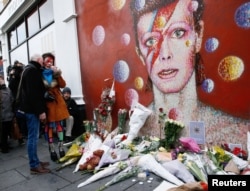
(49, 97)
(15, 130)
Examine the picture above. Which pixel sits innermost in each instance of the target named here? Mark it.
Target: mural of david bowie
(168, 36)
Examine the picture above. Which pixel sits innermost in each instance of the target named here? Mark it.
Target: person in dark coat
(14, 78)
(33, 104)
(6, 113)
(73, 111)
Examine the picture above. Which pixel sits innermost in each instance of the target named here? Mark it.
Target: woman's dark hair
(48, 54)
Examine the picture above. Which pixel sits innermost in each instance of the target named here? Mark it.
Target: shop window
(38, 19)
(33, 23)
(46, 13)
(20, 54)
(21, 33)
(12, 38)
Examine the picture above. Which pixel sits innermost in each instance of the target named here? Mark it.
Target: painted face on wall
(168, 43)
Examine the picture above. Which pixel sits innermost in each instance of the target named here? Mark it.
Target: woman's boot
(61, 151)
(53, 154)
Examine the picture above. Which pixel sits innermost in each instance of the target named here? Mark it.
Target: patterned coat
(57, 109)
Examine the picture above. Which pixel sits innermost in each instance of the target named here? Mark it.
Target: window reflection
(12, 38)
(20, 54)
(40, 17)
(33, 23)
(46, 13)
(21, 33)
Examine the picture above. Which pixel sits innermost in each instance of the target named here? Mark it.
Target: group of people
(38, 97)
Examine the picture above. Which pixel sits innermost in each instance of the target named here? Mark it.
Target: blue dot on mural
(208, 85)
(139, 4)
(121, 71)
(211, 44)
(242, 15)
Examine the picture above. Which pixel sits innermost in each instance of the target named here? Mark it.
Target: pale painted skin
(48, 62)
(168, 50)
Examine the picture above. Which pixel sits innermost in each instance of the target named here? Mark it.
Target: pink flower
(189, 144)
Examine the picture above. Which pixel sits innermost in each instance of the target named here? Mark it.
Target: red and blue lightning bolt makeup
(160, 21)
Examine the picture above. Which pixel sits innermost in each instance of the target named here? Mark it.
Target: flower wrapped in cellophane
(72, 156)
(102, 114)
(194, 164)
(94, 143)
(123, 175)
(139, 114)
(219, 158)
(110, 170)
(113, 155)
(122, 115)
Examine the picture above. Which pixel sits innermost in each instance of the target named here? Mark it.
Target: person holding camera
(56, 107)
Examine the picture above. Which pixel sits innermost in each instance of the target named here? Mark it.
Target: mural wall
(188, 57)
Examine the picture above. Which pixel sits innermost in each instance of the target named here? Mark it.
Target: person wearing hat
(73, 111)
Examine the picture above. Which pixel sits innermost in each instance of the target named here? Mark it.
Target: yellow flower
(181, 157)
(219, 150)
(131, 147)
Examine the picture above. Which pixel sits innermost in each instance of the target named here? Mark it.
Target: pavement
(15, 174)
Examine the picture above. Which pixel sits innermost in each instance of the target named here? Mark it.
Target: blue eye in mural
(208, 85)
(139, 4)
(242, 15)
(98, 35)
(121, 71)
(211, 44)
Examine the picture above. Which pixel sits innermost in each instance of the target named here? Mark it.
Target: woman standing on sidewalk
(56, 107)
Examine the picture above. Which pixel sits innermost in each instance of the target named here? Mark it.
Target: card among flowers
(197, 131)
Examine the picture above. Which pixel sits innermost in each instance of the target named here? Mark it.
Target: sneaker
(39, 170)
(53, 156)
(62, 153)
(44, 164)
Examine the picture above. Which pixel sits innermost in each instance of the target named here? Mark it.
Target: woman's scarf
(48, 75)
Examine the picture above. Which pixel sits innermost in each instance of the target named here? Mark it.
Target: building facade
(39, 26)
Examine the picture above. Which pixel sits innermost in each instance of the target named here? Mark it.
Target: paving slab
(15, 174)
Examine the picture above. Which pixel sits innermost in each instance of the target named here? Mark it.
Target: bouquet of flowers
(104, 108)
(122, 115)
(194, 164)
(172, 131)
(102, 114)
(236, 151)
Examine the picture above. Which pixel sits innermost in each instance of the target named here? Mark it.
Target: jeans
(33, 125)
